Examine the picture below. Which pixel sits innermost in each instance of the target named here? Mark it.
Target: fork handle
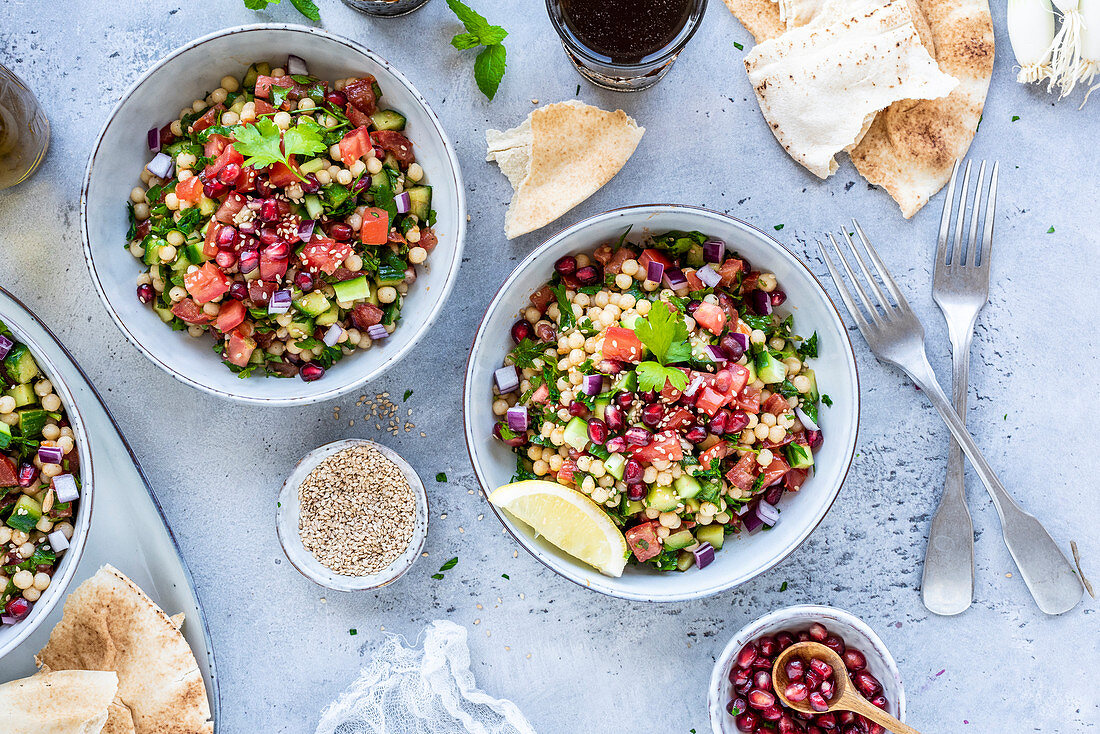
(1049, 575)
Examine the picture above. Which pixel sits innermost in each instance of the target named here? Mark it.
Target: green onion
(1031, 30)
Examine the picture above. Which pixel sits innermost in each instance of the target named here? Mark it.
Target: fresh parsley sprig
(665, 334)
(492, 59)
(264, 143)
(306, 7)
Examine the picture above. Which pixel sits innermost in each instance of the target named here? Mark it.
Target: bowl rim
(71, 560)
(393, 571)
(438, 300)
(654, 210)
(739, 638)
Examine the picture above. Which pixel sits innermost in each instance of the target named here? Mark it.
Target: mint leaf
(308, 9)
(492, 35)
(475, 23)
(489, 69)
(463, 41)
(258, 4)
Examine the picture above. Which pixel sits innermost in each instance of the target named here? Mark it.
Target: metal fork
(896, 336)
(960, 286)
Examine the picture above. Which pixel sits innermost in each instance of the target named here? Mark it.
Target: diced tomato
(541, 395)
(325, 254)
(749, 399)
(669, 394)
(264, 85)
(214, 145)
(240, 348)
(750, 281)
(718, 451)
(272, 269)
(354, 145)
(259, 292)
(9, 477)
(211, 117)
(677, 418)
(428, 240)
(355, 117)
(742, 474)
(615, 264)
(376, 226)
(231, 316)
(542, 298)
(189, 190)
(694, 282)
(739, 377)
(396, 238)
(621, 344)
(710, 400)
(729, 270)
(229, 208)
(651, 255)
(263, 108)
(796, 478)
(568, 469)
(190, 312)
(642, 540)
(776, 405)
(206, 283)
(366, 315)
(775, 470)
(279, 175)
(228, 155)
(394, 142)
(360, 94)
(246, 181)
(665, 446)
(711, 317)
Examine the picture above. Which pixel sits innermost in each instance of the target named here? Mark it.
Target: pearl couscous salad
(39, 481)
(285, 217)
(658, 380)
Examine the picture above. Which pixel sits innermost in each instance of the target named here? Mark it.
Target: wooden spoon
(845, 697)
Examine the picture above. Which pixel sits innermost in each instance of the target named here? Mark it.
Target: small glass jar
(385, 7)
(24, 130)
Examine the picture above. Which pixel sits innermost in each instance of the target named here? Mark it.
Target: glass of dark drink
(625, 45)
(24, 130)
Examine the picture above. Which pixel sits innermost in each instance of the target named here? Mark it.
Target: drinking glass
(631, 76)
(24, 130)
(385, 7)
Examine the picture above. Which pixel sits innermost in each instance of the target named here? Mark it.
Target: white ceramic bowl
(120, 153)
(287, 514)
(12, 635)
(745, 555)
(854, 632)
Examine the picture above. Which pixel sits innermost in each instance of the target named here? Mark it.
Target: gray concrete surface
(573, 660)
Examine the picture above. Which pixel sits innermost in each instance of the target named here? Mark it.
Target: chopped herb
(740, 47)
(353, 632)
(441, 477)
(808, 348)
(1015, 118)
(408, 394)
(449, 565)
(265, 144)
(566, 318)
(437, 576)
(827, 400)
(505, 577)
(527, 351)
(783, 587)
(1051, 230)
(778, 227)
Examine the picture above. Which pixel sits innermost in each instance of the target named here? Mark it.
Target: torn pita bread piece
(820, 86)
(110, 624)
(558, 157)
(57, 702)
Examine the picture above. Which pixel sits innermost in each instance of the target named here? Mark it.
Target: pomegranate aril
(717, 425)
(310, 186)
(269, 236)
(818, 702)
(815, 730)
(633, 472)
(588, 275)
(610, 366)
(736, 421)
(522, 330)
(145, 293)
(340, 232)
(803, 636)
(214, 189)
(227, 236)
(229, 174)
(615, 444)
(649, 396)
(566, 265)
(787, 725)
(311, 371)
(747, 656)
(27, 474)
(818, 632)
(821, 667)
(18, 608)
(225, 259)
(614, 417)
(778, 297)
(855, 729)
(827, 688)
(635, 492)
(854, 660)
(762, 680)
(652, 415)
(844, 718)
(873, 728)
(625, 399)
(812, 679)
(238, 291)
(304, 281)
(880, 701)
(336, 99)
(867, 684)
(597, 431)
(772, 713)
(826, 721)
(796, 692)
(577, 408)
(737, 706)
(768, 647)
(835, 644)
(795, 669)
(747, 721)
(759, 699)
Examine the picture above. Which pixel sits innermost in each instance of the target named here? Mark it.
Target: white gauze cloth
(407, 690)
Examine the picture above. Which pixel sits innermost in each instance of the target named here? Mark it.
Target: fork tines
(881, 309)
(952, 253)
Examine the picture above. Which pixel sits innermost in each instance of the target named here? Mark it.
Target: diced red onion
(506, 378)
(714, 251)
(592, 384)
(744, 510)
(296, 65)
(693, 386)
(161, 165)
(305, 229)
(5, 346)
(761, 302)
(768, 513)
(58, 541)
(655, 271)
(806, 420)
(279, 303)
(377, 332)
(64, 488)
(742, 339)
(638, 436)
(50, 454)
(5, 619)
(709, 276)
(333, 335)
(751, 521)
(675, 279)
(704, 555)
(716, 354)
(153, 137)
(517, 418)
(402, 202)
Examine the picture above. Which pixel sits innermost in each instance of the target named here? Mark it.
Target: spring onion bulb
(1090, 44)
(1031, 30)
(1065, 56)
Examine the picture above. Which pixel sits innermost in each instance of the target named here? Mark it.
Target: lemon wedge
(568, 519)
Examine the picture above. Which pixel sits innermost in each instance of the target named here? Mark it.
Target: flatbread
(110, 624)
(820, 85)
(57, 702)
(558, 157)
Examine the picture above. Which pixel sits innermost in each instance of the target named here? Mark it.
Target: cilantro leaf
(489, 69)
(652, 376)
(259, 143)
(303, 140)
(664, 333)
(827, 400)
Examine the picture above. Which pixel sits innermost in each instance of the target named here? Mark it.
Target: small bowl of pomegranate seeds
(291, 208)
(742, 696)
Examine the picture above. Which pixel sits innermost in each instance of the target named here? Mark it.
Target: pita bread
(558, 157)
(820, 85)
(57, 702)
(110, 624)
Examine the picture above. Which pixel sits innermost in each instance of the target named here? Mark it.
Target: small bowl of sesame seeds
(352, 516)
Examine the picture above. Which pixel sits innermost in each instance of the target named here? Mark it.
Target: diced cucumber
(799, 456)
(661, 498)
(694, 256)
(26, 513)
(812, 394)
(152, 248)
(770, 370)
(355, 289)
(381, 180)
(22, 394)
(615, 465)
(164, 312)
(576, 433)
(20, 365)
(313, 303)
(5, 435)
(31, 422)
(194, 253)
(390, 161)
(600, 405)
(207, 206)
(714, 534)
(691, 504)
(420, 199)
(679, 539)
(329, 317)
(684, 560)
(313, 205)
(625, 382)
(388, 275)
(686, 486)
(260, 69)
(388, 120)
(629, 320)
(300, 328)
(312, 166)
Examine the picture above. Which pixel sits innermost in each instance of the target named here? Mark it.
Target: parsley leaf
(808, 348)
(449, 565)
(652, 376)
(264, 144)
(566, 318)
(664, 333)
(489, 66)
